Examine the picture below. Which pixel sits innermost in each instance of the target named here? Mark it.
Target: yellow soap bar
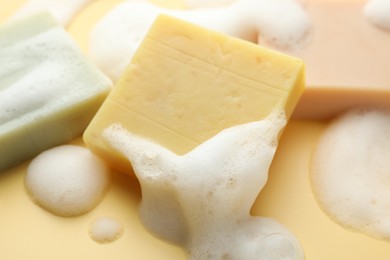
(187, 83)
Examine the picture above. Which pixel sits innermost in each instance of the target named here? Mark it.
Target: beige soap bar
(344, 49)
(347, 60)
(187, 83)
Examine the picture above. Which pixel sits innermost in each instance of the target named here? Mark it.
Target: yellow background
(29, 232)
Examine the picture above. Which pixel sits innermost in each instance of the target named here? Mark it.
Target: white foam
(67, 180)
(282, 24)
(378, 13)
(105, 230)
(201, 200)
(351, 171)
(63, 11)
(43, 73)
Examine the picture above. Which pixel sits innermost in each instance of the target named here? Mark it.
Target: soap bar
(187, 83)
(49, 92)
(345, 49)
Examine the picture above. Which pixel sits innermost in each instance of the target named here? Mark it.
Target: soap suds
(41, 74)
(350, 171)
(105, 230)
(282, 24)
(378, 13)
(201, 200)
(67, 180)
(63, 11)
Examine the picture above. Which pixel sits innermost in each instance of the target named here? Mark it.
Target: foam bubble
(378, 13)
(67, 180)
(105, 230)
(201, 200)
(281, 24)
(63, 11)
(350, 171)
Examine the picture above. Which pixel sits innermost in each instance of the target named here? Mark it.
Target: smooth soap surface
(344, 49)
(186, 83)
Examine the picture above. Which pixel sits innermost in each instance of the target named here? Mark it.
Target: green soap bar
(49, 91)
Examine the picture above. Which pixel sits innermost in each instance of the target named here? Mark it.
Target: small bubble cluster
(105, 230)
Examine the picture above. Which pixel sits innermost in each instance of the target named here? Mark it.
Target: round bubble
(105, 229)
(350, 171)
(67, 180)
